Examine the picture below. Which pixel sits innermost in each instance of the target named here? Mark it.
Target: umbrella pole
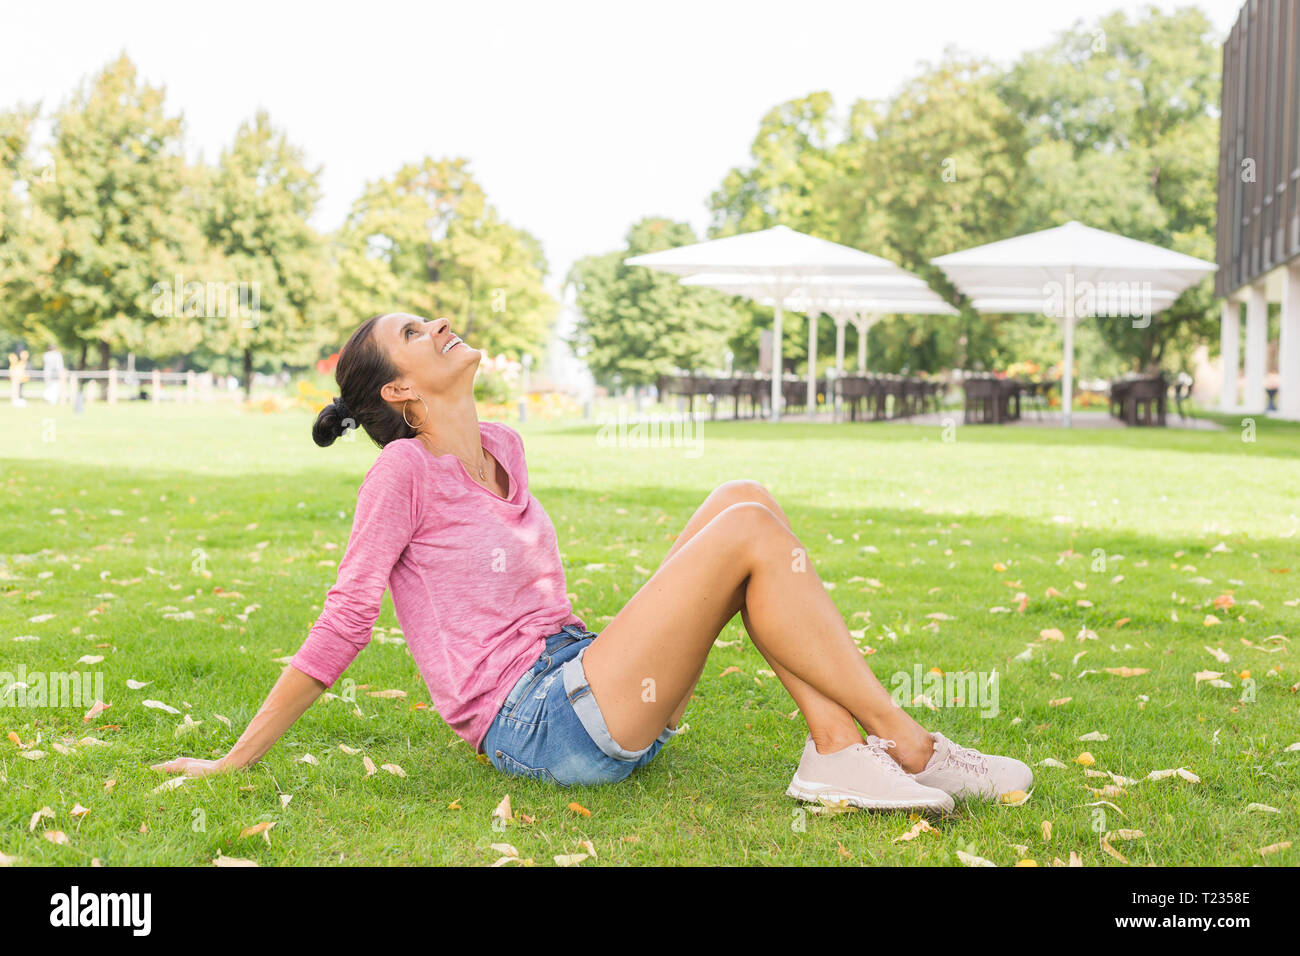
(812, 366)
(840, 323)
(776, 363)
(1067, 373)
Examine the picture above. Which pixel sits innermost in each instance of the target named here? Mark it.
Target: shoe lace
(967, 758)
(879, 749)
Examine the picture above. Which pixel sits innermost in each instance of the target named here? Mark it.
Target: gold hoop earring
(426, 414)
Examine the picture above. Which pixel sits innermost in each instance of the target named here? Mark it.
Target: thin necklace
(481, 471)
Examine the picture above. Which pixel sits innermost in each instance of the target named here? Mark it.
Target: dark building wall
(1259, 220)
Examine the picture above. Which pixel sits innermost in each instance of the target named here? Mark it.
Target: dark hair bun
(332, 422)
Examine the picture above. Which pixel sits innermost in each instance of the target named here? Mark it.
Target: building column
(1230, 349)
(1288, 353)
(864, 324)
(1253, 398)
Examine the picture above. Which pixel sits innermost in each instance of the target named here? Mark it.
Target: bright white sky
(578, 118)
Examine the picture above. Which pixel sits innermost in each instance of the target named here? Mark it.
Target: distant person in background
(53, 363)
(17, 375)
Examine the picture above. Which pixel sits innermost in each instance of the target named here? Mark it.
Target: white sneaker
(964, 772)
(863, 775)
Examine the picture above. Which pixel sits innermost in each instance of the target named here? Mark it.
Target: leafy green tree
(427, 241)
(27, 235)
(794, 180)
(271, 262)
(946, 162)
(122, 200)
(929, 171)
(1122, 122)
(1112, 124)
(637, 323)
(793, 167)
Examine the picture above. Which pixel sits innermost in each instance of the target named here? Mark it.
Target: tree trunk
(248, 374)
(469, 319)
(430, 265)
(81, 362)
(105, 354)
(1153, 350)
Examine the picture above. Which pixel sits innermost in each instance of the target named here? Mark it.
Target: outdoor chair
(980, 400)
(913, 397)
(727, 388)
(991, 400)
(853, 391)
(1008, 400)
(1119, 390)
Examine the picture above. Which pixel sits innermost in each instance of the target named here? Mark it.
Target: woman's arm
(289, 699)
(381, 529)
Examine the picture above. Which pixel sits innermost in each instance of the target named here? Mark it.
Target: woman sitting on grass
(445, 520)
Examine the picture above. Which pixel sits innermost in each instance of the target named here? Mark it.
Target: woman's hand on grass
(292, 694)
(191, 766)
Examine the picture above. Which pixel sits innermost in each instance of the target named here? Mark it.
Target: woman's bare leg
(832, 727)
(659, 641)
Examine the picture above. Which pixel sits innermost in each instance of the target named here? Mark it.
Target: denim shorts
(550, 728)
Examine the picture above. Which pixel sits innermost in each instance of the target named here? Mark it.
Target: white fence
(112, 385)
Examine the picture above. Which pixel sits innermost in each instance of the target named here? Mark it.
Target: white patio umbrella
(862, 300)
(775, 262)
(1047, 272)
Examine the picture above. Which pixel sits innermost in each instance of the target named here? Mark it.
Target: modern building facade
(1259, 207)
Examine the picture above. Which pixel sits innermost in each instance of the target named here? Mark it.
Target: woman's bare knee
(753, 525)
(742, 490)
(737, 491)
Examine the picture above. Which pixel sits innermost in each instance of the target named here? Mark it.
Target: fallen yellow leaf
(256, 829)
(503, 811)
(919, 827)
(1105, 845)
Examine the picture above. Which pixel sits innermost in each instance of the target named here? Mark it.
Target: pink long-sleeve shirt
(476, 579)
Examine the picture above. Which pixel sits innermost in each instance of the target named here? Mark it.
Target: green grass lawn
(115, 518)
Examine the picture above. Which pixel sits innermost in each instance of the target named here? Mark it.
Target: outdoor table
(1140, 399)
(991, 400)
